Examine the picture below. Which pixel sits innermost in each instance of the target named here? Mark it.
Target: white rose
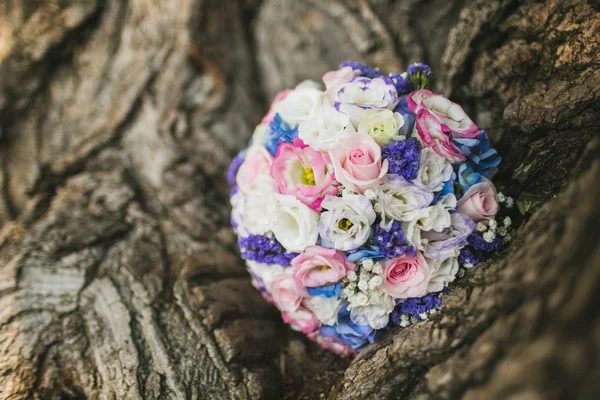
(436, 218)
(401, 200)
(259, 206)
(433, 170)
(325, 128)
(265, 272)
(376, 312)
(325, 308)
(347, 224)
(361, 94)
(382, 125)
(295, 225)
(298, 104)
(443, 272)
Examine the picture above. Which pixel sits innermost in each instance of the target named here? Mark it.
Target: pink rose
(357, 163)
(318, 266)
(302, 320)
(405, 277)
(303, 173)
(258, 161)
(451, 116)
(287, 295)
(334, 80)
(432, 135)
(267, 119)
(479, 202)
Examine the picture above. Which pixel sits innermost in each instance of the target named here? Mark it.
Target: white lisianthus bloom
(264, 272)
(295, 225)
(325, 128)
(401, 200)
(434, 170)
(382, 125)
(347, 223)
(298, 104)
(238, 213)
(361, 94)
(260, 204)
(436, 218)
(325, 308)
(376, 312)
(443, 272)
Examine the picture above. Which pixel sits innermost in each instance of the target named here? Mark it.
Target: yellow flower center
(308, 177)
(322, 267)
(345, 224)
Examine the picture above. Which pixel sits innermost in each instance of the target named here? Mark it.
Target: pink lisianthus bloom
(268, 118)
(304, 173)
(450, 115)
(479, 202)
(405, 277)
(357, 163)
(318, 266)
(286, 294)
(302, 319)
(334, 80)
(432, 135)
(258, 161)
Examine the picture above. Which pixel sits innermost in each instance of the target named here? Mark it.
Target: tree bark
(119, 274)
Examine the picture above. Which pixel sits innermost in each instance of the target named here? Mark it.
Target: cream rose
(383, 126)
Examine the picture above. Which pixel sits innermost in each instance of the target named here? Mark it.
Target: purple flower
(365, 70)
(265, 250)
(403, 84)
(392, 242)
(279, 132)
(467, 255)
(442, 245)
(416, 306)
(234, 166)
(403, 158)
(349, 333)
(419, 74)
(478, 243)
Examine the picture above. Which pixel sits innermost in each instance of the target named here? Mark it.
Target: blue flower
(364, 253)
(279, 132)
(349, 333)
(392, 242)
(403, 158)
(403, 84)
(481, 156)
(467, 178)
(365, 70)
(264, 249)
(332, 290)
(416, 306)
(409, 118)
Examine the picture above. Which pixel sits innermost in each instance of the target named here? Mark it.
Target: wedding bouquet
(356, 206)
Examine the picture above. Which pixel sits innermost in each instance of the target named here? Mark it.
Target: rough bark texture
(119, 277)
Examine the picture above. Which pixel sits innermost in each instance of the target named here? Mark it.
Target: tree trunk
(119, 276)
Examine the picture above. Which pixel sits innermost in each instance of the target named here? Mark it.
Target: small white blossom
(378, 208)
(351, 286)
(492, 223)
(347, 192)
(360, 299)
(352, 276)
(509, 202)
(368, 263)
(507, 221)
(502, 231)
(363, 285)
(423, 315)
(500, 197)
(375, 282)
(507, 238)
(377, 268)
(481, 227)
(489, 236)
(370, 194)
(404, 322)
(467, 265)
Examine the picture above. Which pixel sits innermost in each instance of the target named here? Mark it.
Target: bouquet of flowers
(356, 206)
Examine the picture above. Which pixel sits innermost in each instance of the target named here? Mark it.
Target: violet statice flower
(365, 70)
(279, 132)
(419, 74)
(416, 306)
(468, 256)
(403, 158)
(476, 241)
(392, 242)
(265, 250)
(403, 84)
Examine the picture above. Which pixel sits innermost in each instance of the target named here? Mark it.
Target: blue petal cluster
(409, 118)
(279, 132)
(416, 306)
(365, 70)
(332, 290)
(482, 160)
(349, 333)
(264, 249)
(403, 158)
(392, 242)
(364, 252)
(403, 84)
